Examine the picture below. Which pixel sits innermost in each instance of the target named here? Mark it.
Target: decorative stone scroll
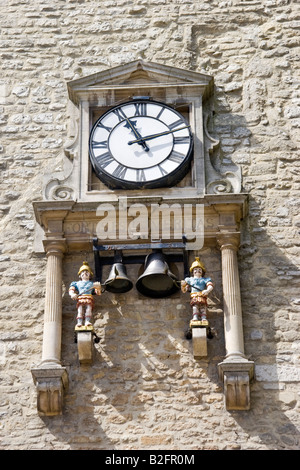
(220, 178)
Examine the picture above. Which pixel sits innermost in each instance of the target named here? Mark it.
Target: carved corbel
(51, 384)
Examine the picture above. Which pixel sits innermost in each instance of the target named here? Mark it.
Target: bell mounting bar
(118, 249)
(139, 246)
(142, 246)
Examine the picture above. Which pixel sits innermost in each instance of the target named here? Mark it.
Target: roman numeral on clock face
(140, 109)
(140, 175)
(176, 157)
(99, 145)
(120, 114)
(160, 113)
(162, 170)
(107, 128)
(175, 124)
(181, 140)
(120, 171)
(105, 159)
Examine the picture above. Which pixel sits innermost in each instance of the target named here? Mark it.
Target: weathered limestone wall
(144, 390)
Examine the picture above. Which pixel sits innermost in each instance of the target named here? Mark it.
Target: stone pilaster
(236, 371)
(53, 303)
(50, 377)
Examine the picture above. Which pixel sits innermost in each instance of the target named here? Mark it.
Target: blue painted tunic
(83, 287)
(85, 291)
(198, 284)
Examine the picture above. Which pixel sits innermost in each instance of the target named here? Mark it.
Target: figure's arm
(97, 287)
(185, 286)
(73, 293)
(209, 288)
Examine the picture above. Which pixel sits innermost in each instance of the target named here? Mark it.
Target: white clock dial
(140, 144)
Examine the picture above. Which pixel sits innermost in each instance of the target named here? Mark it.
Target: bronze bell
(117, 281)
(157, 281)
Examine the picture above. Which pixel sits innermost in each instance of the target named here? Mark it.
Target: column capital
(228, 239)
(55, 246)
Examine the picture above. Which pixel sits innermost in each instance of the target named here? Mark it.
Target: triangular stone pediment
(136, 72)
(141, 76)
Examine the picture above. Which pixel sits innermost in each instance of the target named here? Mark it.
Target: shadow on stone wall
(270, 294)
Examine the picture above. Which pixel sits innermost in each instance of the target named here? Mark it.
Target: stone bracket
(51, 383)
(199, 342)
(84, 339)
(199, 338)
(237, 377)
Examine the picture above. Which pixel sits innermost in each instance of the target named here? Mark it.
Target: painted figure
(199, 287)
(83, 291)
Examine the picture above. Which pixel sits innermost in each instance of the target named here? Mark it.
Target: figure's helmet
(85, 267)
(197, 264)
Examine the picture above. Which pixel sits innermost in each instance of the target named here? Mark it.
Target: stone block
(199, 342)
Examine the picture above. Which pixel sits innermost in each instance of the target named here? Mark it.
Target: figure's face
(197, 272)
(85, 275)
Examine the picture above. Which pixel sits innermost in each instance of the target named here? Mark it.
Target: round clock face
(141, 144)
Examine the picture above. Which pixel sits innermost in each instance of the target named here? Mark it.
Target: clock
(141, 144)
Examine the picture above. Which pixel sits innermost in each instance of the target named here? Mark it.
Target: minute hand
(153, 136)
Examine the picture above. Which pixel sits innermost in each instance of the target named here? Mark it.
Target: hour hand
(140, 141)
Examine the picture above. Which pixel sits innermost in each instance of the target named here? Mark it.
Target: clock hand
(153, 136)
(140, 139)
